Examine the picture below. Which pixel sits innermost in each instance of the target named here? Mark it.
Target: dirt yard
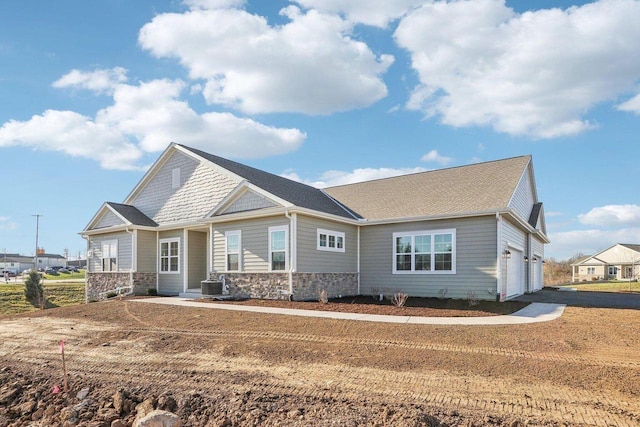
(222, 368)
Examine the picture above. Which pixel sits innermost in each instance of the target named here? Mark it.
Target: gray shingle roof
(478, 187)
(132, 214)
(298, 194)
(631, 246)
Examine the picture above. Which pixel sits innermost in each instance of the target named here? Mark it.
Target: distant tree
(33, 288)
(559, 272)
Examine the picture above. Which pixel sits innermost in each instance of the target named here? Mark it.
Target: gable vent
(175, 178)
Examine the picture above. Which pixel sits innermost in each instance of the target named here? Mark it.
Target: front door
(197, 260)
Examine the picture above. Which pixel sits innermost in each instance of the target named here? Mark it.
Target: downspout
(358, 260)
(86, 288)
(133, 256)
(499, 258)
(293, 231)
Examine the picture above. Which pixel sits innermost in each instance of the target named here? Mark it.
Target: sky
(326, 92)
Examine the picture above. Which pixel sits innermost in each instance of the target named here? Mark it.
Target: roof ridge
(432, 171)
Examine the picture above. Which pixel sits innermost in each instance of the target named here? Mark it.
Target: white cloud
(146, 118)
(213, 4)
(612, 215)
(333, 178)
(6, 224)
(101, 81)
(632, 105)
(73, 134)
(588, 242)
(310, 65)
(434, 156)
(371, 12)
(482, 64)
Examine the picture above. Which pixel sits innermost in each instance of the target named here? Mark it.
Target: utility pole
(35, 260)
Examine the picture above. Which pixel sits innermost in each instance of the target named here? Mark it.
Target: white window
(175, 178)
(279, 248)
(233, 245)
(110, 255)
(170, 256)
(330, 240)
(424, 252)
(612, 270)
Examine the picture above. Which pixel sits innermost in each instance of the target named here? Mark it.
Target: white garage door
(537, 274)
(515, 278)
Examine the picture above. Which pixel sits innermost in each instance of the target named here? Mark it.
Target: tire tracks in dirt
(33, 343)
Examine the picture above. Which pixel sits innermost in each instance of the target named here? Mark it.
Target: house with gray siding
(475, 231)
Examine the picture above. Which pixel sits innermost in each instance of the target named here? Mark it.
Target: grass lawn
(12, 298)
(65, 276)
(611, 286)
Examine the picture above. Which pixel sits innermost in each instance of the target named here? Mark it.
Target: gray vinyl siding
(124, 261)
(311, 260)
(197, 259)
(523, 198)
(147, 251)
(109, 219)
(201, 188)
(254, 243)
(249, 201)
(172, 284)
(513, 236)
(476, 269)
(537, 247)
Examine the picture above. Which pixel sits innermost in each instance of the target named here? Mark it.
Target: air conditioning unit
(210, 288)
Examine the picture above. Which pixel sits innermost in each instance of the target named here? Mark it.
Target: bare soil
(226, 368)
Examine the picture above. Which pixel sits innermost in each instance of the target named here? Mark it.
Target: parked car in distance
(63, 270)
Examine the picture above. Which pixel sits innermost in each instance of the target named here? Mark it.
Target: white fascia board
(98, 215)
(116, 228)
(492, 212)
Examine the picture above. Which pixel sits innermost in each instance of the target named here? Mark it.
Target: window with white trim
(109, 255)
(170, 255)
(424, 252)
(330, 240)
(278, 248)
(233, 245)
(613, 270)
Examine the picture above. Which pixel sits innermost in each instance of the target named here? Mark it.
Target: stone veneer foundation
(306, 286)
(98, 283)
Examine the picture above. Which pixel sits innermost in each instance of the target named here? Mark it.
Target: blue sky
(323, 91)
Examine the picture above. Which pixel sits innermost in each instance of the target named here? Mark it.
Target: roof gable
(480, 187)
(181, 187)
(116, 214)
(294, 192)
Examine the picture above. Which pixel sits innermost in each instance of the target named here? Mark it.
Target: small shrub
(33, 288)
(442, 293)
(593, 279)
(111, 295)
(152, 292)
(472, 298)
(375, 292)
(399, 299)
(323, 297)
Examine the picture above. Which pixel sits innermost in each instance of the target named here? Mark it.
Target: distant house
(621, 261)
(472, 231)
(17, 263)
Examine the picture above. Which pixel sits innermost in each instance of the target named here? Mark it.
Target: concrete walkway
(533, 313)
